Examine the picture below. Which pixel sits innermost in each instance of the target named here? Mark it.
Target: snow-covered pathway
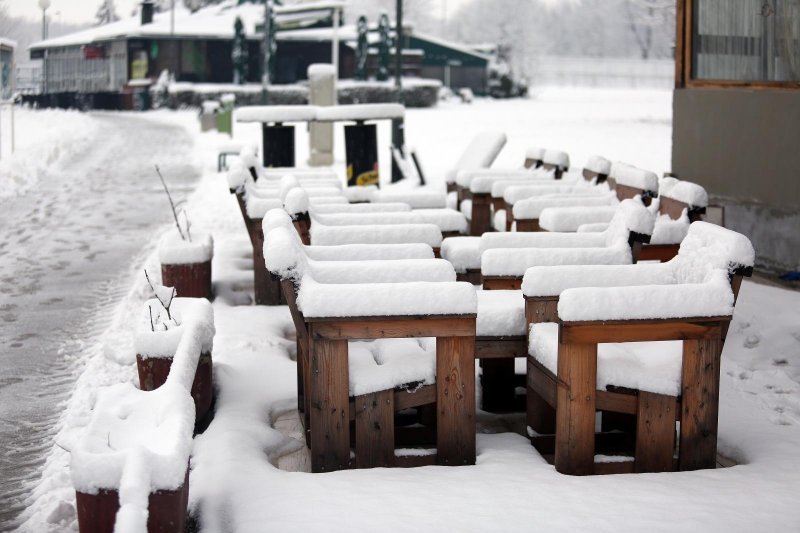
(66, 253)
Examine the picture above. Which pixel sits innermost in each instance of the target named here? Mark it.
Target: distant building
(103, 61)
(736, 117)
(7, 47)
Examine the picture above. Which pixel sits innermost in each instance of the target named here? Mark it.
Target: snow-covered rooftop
(8, 42)
(215, 21)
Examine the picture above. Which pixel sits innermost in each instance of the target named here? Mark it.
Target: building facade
(736, 117)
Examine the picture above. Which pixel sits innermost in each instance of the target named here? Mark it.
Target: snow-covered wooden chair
(481, 152)
(594, 190)
(591, 346)
(679, 203)
(481, 184)
(336, 302)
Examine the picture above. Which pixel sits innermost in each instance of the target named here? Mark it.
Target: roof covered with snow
(214, 22)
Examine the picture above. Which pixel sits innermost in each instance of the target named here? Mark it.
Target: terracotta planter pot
(153, 372)
(191, 280)
(167, 510)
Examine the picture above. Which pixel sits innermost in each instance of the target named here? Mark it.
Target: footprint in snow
(752, 341)
(780, 362)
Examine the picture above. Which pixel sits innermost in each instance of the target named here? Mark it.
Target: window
(741, 41)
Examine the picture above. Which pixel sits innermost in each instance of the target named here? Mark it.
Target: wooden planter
(167, 510)
(192, 280)
(153, 372)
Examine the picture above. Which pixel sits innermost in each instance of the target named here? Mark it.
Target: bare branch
(171, 203)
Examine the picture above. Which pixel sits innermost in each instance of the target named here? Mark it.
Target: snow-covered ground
(235, 483)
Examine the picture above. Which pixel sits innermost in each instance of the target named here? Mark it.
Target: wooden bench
(562, 404)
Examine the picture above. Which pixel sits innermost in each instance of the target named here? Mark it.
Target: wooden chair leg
(330, 405)
(374, 442)
(497, 385)
(267, 291)
(455, 400)
(481, 221)
(655, 432)
(301, 406)
(575, 410)
(699, 403)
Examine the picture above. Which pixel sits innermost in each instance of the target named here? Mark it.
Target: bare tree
(645, 18)
(106, 13)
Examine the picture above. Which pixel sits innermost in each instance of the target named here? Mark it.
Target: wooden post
(481, 214)
(455, 400)
(575, 409)
(267, 291)
(700, 402)
(655, 432)
(329, 404)
(374, 443)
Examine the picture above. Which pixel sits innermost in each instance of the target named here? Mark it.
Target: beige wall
(743, 146)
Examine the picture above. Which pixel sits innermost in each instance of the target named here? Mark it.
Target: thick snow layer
(635, 177)
(597, 227)
(499, 220)
(173, 250)
(513, 239)
(712, 297)
(599, 164)
(328, 200)
(648, 366)
(534, 152)
(669, 231)
(462, 252)
(466, 208)
(257, 207)
(285, 256)
(489, 183)
(447, 220)
(365, 252)
(500, 313)
(514, 192)
(531, 208)
(553, 280)
(302, 174)
(360, 208)
(296, 201)
(321, 70)
(481, 151)
(422, 198)
(248, 158)
(557, 158)
(237, 177)
(276, 113)
(192, 314)
(708, 246)
(318, 300)
(360, 193)
(516, 261)
(570, 218)
(465, 177)
(358, 112)
(689, 193)
(323, 235)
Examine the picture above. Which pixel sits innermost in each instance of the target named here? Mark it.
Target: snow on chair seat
(689, 299)
(429, 234)
(396, 207)
(479, 153)
(419, 198)
(465, 256)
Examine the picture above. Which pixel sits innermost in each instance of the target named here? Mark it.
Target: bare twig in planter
(171, 204)
(166, 305)
(152, 327)
(188, 225)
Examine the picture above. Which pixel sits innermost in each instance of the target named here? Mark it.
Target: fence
(603, 72)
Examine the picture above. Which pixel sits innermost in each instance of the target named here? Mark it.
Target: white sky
(84, 10)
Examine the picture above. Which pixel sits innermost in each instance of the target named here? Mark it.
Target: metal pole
(265, 74)
(172, 19)
(398, 128)
(335, 42)
(13, 91)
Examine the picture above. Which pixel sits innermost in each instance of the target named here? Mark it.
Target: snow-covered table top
(309, 113)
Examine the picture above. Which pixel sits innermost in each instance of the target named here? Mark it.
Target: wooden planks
(658, 252)
(699, 402)
(393, 327)
(499, 283)
(655, 432)
(540, 309)
(267, 291)
(501, 347)
(455, 400)
(575, 416)
(329, 406)
(639, 330)
(374, 440)
(528, 224)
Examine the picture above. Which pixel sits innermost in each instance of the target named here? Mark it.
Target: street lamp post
(44, 4)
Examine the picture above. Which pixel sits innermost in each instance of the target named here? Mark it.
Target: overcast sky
(84, 10)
